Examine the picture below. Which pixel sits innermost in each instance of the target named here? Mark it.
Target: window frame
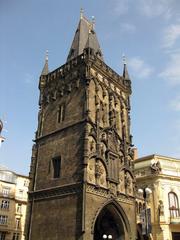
(61, 113)
(56, 167)
(173, 209)
(5, 204)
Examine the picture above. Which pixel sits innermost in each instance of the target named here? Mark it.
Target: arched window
(173, 205)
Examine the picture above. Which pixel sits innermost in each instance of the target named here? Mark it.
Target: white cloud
(139, 67)
(172, 72)
(154, 8)
(171, 34)
(128, 27)
(175, 104)
(121, 7)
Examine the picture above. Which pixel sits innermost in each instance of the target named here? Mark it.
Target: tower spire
(125, 71)
(85, 37)
(45, 70)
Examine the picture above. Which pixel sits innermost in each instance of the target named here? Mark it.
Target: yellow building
(162, 175)
(13, 201)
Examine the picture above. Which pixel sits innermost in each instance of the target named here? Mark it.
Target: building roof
(85, 37)
(153, 156)
(157, 165)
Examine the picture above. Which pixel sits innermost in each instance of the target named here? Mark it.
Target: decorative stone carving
(113, 189)
(92, 144)
(103, 113)
(121, 182)
(91, 171)
(155, 167)
(161, 208)
(103, 136)
(128, 183)
(99, 169)
(100, 174)
(102, 150)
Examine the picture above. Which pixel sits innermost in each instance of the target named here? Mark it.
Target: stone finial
(81, 13)
(93, 22)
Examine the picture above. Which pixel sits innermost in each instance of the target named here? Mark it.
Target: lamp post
(145, 192)
(105, 236)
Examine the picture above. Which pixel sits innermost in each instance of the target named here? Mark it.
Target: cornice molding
(55, 192)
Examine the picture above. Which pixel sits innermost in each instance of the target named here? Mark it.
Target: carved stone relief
(91, 145)
(91, 171)
(102, 150)
(155, 167)
(128, 183)
(101, 174)
(96, 173)
(121, 182)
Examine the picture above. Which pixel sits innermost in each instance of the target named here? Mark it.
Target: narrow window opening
(61, 113)
(56, 162)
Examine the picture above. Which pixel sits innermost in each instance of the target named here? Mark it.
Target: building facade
(13, 203)
(82, 183)
(162, 175)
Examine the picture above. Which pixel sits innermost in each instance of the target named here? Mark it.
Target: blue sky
(146, 31)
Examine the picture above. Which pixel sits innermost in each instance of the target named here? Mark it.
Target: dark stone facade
(83, 120)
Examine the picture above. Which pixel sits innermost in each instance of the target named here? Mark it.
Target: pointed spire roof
(85, 37)
(45, 70)
(125, 70)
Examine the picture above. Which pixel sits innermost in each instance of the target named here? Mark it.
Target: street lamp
(105, 236)
(146, 212)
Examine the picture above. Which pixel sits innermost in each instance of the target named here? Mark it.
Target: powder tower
(82, 182)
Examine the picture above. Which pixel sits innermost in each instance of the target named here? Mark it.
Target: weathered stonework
(84, 119)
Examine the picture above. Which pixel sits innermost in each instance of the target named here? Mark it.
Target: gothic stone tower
(82, 184)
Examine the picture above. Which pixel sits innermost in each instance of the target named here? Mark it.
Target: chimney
(135, 151)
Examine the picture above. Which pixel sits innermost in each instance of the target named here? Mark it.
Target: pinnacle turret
(45, 70)
(125, 70)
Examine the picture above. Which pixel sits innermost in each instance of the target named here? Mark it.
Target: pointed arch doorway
(110, 224)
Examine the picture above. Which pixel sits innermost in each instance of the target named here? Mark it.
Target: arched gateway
(111, 222)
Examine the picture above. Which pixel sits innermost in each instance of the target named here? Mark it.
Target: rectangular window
(2, 235)
(3, 219)
(61, 113)
(20, 194)
(5, 192)
(26, 183)
(5, 204)
(19, 208)
(56, 162)
(16, 236)
(17, 223)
